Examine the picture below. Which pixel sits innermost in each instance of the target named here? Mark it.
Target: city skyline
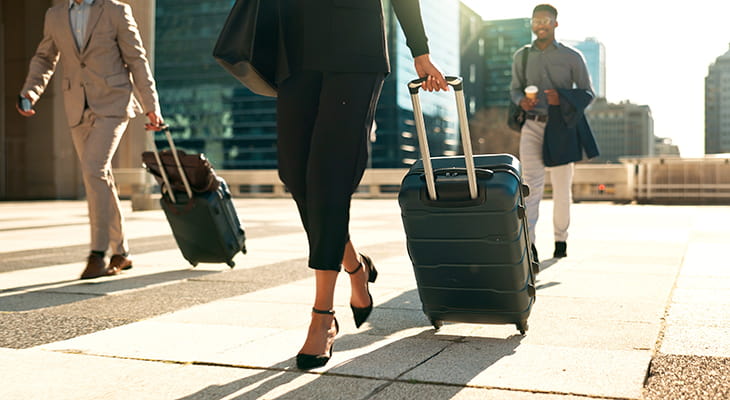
(656, 56)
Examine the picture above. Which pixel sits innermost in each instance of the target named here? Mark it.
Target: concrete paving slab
(591, 334)
(699, 340)
(296, 386)
(699, 314)
(703, 282)
(665, 266)
(401, 390)
(577, 333)
(137, 379)
(27, 301)
(625, 310)
(684, 295)
(706, 259)
(168, 341)
(611, 286)
(497, 363)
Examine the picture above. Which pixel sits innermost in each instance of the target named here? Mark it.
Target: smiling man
(557, 70)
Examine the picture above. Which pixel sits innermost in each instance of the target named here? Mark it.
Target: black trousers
(324, 121)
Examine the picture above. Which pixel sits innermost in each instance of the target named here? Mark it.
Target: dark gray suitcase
(466, 231)
(205, 225)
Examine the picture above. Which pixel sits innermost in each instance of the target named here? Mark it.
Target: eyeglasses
(542, 21)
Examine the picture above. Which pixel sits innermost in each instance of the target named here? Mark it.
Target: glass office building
(717, 106)
(195, 93)
(211, 112)
(502, 39)
(594, 53)
(394, 143)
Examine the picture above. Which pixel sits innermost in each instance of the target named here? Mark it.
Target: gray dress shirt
(78, 15)
(557, 67)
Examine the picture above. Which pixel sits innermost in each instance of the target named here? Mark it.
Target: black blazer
(347, 35)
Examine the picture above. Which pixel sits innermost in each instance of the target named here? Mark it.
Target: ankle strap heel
(326, 312)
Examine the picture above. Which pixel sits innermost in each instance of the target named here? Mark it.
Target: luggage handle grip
(456, 83)
(180, 170)
(481, 172)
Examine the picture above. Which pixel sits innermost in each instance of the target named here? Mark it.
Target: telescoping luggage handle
(457, 83)
(180, 170)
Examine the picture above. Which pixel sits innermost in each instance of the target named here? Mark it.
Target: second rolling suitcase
(466, 231)
(205, 224)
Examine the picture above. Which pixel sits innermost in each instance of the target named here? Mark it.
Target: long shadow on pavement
(377, 369)
(34, 297)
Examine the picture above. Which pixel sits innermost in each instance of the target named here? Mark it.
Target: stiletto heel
(361, 314)
(309, 361)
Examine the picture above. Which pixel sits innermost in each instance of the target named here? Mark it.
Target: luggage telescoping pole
(180, 169)
(457, 83)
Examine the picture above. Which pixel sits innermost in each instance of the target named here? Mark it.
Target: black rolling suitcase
(466, 231)
(204, 223)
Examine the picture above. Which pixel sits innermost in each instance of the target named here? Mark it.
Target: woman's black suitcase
(204, 223)
(466, 231)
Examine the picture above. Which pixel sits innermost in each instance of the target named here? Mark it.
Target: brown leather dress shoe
(96, 267)
(118, 263)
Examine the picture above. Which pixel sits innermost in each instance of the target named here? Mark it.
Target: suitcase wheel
(437, 324)
(231, 263)
(522, 326)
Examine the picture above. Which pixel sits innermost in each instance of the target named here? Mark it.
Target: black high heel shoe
(309, 361)
(361, 314)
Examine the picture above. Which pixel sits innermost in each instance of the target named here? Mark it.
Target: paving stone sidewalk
(636, 311)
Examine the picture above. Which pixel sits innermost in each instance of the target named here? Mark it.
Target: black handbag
(250, 45)
(516, 115)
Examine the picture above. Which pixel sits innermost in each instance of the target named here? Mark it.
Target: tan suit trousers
(533, 174)
(96, 140)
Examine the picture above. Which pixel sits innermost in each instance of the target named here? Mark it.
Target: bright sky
(657, 53)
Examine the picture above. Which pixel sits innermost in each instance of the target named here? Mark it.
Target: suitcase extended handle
(457, 83)
(180, 170)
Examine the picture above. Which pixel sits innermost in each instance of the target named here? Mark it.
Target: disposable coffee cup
(531, 92)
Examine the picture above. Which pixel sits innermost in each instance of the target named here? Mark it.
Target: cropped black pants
(324, 121)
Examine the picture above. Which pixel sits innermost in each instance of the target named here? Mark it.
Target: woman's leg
(359, 295)
(337, 159)
(322, 328)
(321, 161)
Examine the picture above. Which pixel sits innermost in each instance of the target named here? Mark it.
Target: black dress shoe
(361, 314)
(560, 250)
(309, 361)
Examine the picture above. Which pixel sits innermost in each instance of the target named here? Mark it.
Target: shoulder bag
(249, 46)
(516, 115)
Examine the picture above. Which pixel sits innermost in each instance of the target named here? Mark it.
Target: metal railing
(643, 180)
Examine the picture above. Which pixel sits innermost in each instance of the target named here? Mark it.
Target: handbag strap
(525, 53)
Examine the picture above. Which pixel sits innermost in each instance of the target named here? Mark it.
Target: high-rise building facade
(394, 143)
(196, 94)
(502, 39)
(473, 62)
(717, 106)
(211, 112)
(594, 52)
(623, 129)
(487, 51)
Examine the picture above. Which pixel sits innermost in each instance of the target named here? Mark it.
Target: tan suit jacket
(104, 72)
